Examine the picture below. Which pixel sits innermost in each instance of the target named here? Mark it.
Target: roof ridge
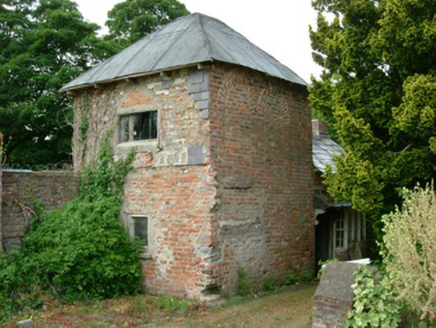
(204, 36)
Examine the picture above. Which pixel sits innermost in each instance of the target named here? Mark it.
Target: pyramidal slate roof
(186, 41)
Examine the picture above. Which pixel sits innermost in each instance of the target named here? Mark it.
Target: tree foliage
(131, 20)
(43, 45)
(378, 92)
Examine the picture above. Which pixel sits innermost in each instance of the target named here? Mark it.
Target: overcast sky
(279, 27)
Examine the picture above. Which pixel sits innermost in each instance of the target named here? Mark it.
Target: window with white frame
(138, 126)
(349, 228)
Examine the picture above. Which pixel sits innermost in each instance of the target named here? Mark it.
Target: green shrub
(409, 251)
(374, 302)
(82, 251)
(78, 252)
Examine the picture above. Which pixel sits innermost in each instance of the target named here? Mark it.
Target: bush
(78, 252)
(410, 253)
(82, 251)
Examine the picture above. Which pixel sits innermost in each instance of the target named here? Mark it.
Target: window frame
(130, 133)
(145, 249)
(146, 145)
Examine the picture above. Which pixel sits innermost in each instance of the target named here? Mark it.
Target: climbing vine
(84, 114)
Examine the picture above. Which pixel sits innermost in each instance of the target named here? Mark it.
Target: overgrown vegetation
(409, 253)
(242, 283)
(78, 252)
(405, 288)
(374, 302)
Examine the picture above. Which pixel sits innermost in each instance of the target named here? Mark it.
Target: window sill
(141, 146)
(145, 255)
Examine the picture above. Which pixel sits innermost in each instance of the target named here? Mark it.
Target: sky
(279, 27)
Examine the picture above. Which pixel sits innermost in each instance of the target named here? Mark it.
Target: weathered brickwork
(331, 313)
(227, 183)
(261, 150)
(97, 112)
(173, 184)
(49, 188)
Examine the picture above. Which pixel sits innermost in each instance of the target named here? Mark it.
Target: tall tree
(131, 20)
(378, 91)
(43, 45)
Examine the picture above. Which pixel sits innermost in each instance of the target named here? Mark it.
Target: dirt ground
(290, 306)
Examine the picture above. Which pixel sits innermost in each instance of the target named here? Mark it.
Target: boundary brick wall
(49, 188)
(262, 152)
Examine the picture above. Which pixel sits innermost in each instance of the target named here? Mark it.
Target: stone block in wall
(198, 87)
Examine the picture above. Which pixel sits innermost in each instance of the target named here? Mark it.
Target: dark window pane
(145, 126)
(124, 128)
(141, 228)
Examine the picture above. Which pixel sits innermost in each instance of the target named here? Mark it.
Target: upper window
(138, 126)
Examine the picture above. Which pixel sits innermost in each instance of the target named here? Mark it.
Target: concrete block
(195, 155)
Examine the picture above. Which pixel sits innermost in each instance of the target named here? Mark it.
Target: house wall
(261, 151)
(228, 182)
(173, 183)
(48, 188)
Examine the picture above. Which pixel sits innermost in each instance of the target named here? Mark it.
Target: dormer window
(138, 126)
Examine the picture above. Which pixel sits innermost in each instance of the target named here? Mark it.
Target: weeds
(242, 283)
(173, 304)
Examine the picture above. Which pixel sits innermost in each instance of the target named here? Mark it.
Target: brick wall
(173, 183)
(261, 150)
(49, 188)
(227, 182)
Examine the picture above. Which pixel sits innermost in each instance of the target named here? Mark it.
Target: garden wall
(49, 188)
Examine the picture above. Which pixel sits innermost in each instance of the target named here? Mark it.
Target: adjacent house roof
(324, 150)
(188, 40)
